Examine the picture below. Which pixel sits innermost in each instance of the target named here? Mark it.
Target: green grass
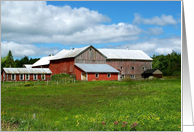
(99, 105)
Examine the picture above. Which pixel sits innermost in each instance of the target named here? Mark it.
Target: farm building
(152, 72)
(25, 74)
(91, 72)
(130, 63)
(63, 62)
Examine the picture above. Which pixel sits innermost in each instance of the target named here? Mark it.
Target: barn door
(84, 76)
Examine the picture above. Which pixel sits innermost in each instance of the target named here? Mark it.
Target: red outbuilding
(93, 72)
(25, 74)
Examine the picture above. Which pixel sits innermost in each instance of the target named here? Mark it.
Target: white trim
(22, 76)
(97, 74)
(13, 77)
(28, 76)
(4, 76)
(36, 77)
(44, 76)
(110, 75)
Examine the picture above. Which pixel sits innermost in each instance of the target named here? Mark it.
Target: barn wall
(78, 73)
(102, 76)
(90, 56)
(65, 65)
(128, 64)
(157, 75)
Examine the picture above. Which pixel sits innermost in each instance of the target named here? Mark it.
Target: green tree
(9, 60)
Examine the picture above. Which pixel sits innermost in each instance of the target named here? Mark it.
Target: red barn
(130, 63)
(25, 74)
(63, 62)
(91, 72)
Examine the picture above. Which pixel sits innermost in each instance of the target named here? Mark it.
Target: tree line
(8, 61)
(170, 64)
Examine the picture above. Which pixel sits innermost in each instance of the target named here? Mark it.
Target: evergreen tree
(9, 60)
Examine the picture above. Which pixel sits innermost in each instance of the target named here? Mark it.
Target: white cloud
(162, 21)
(156, 45)
(36, 22)
(155, 31)
(20, 50)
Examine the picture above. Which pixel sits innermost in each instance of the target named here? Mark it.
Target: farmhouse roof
(27, 70)
(43, 61)
(99, 68)
(125, 54)
(27, 65)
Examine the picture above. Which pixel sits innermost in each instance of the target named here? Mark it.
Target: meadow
(69, 105)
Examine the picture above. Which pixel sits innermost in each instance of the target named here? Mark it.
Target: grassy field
(69, 105)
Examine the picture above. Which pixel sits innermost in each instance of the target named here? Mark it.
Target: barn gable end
(90, 55)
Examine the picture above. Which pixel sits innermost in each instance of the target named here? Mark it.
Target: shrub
(27, 84)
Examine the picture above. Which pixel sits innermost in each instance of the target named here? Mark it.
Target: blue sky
(37, 29)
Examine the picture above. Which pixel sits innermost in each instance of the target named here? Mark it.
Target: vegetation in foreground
(153, 105)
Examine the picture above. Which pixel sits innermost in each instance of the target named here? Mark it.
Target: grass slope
(102, 105)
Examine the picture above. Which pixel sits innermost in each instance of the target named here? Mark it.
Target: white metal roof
(27, 70)
(69, 53)
(125, 54)
(28, 65)
(43, 61)
(99, 68)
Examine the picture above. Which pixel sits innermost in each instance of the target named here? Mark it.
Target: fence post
(34, 116)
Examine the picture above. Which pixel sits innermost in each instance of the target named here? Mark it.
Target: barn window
(121, 60)
(27, 77)
(21, 76)
(133, 60)
(133, 76)
(90, 49)
(133, 68)
(13, 77)
(96, 75)
(109, 75)
(108, 60)
(35, 76)
(43, 76)
(143, 68)
(121, 68)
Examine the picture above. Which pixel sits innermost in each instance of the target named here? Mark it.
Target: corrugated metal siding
(128, 64)
(100, 68)
(90, 56)
(27, 70)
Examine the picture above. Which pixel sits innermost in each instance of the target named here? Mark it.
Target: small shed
(152, 72)
(93, 72)
(25, 74)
